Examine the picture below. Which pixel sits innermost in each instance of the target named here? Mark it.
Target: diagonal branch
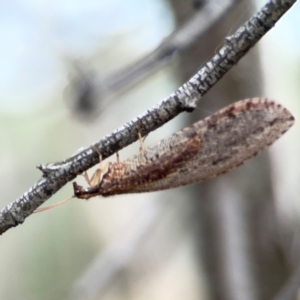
(90, 95)
(56, 175)
(180, 39)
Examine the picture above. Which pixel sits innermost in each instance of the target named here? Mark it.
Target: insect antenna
(41, 209)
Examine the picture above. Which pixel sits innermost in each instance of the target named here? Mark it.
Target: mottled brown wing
(150, 167)
(229, 138)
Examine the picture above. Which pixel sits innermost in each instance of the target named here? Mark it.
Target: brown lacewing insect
(208, 148)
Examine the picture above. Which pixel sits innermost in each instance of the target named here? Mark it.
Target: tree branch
(88, 95)
(180, 39)
(56, 175)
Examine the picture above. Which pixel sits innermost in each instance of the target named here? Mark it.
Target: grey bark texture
(233, 217)
(56, 175)
(88, 95)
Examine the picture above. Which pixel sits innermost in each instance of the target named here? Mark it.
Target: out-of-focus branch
(56, 175)
(103, 270)
(185, 36)
(290, 289)
(88, 95)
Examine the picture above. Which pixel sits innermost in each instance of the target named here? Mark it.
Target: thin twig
(90, 95)
(56, 175)
(180, 39)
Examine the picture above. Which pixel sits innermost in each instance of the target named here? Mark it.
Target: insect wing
(229, 138)
(151, 167)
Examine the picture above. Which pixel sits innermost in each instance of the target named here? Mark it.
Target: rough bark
(233, 217)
